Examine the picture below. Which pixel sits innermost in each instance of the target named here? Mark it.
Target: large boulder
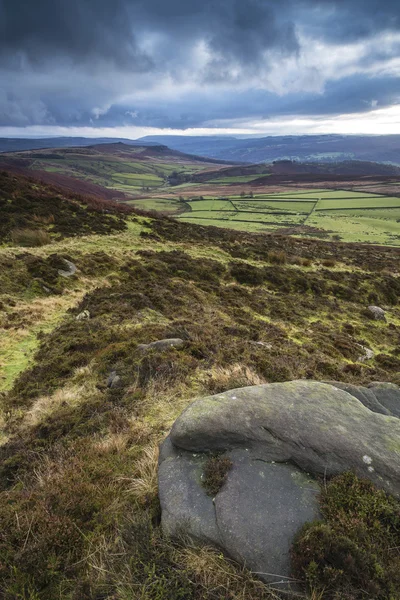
(318, 427)
(281, 440)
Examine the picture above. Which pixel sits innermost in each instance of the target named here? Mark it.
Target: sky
(128, 68)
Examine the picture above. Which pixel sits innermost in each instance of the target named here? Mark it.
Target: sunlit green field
(349, 216)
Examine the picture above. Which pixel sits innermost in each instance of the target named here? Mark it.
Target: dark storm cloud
(348, 20)
(87, 29)
(75, 62)
(80, 29)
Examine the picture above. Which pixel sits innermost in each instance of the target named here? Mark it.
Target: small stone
(368, 354)
(85, 314)
(376, 313)
(70, 269)
(113, 380)
(162, 345)
(263, 345)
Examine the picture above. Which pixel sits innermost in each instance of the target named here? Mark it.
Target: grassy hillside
(79, 514)
(117, 167)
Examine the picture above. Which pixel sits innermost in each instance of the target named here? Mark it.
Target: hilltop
(79, 512)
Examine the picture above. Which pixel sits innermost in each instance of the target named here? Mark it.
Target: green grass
(160, 204)
(239, 226)
(337, 194)
(358, 229)
(138, 177)
(364, 202)
(272, 205)
(236, 179)
(354, 216)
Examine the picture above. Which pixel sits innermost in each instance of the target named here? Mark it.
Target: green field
(236, 179)
(350, 216)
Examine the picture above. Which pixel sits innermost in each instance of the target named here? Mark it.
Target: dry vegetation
(79, 513)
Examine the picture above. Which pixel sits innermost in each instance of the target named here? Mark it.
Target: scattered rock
(113, 380)
(70, 268)
(266, 345)
(376, 313)
(162, 345)
(279, 437)
(368, 354)
(85, 314)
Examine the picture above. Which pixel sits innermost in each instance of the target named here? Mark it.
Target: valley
(352, 201)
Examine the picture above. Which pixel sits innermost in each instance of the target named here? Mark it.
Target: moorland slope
(79, 511)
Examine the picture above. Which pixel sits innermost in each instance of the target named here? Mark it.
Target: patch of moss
(215, 473)
(353, 554)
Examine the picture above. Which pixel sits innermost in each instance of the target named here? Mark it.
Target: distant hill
(307, 148)
(19, 145)
(350, 168)
(310, 148)
(108, 171)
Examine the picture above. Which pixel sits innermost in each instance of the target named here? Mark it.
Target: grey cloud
(60, 60)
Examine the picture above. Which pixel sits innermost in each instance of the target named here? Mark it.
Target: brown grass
(30, 237)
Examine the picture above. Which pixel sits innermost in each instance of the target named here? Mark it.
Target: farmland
(326, 213)
(286, 197)
(119, 168)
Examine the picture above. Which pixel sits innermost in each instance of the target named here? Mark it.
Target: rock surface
(367, 354)
(161, 345)
(279, 437)
(114, 380)
(70, 269)
(85, 314)
(377, 313)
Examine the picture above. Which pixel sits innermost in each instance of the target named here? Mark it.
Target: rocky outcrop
(281, 439)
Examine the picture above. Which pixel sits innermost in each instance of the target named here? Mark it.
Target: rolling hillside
(118, 169)
(79, 510)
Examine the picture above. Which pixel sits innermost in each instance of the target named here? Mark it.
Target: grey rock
(85, 314)
(279, 437)
(259, 511)
(114, 380)
(69, 270)
(368, 354)
(253, 518)
(186, 508)
(388, 395)
(318, 427)
(161, 345)
(365, 395)
(377, 313)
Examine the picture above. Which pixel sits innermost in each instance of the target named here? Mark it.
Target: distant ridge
(21, 144)
(305, 148)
